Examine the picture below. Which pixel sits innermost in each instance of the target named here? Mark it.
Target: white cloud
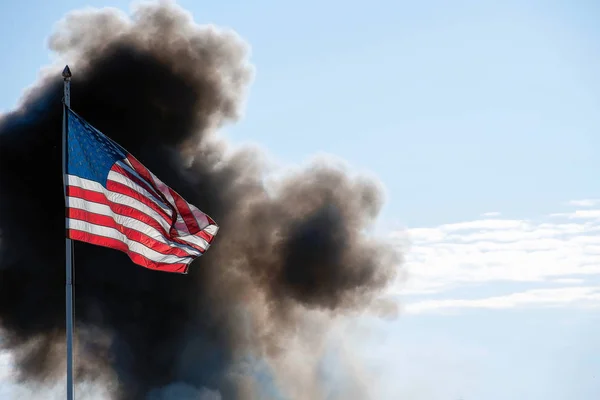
(577, 295)
(491, 214)
(584, 203)
(559, 249)
(579, 214)
(5, 367)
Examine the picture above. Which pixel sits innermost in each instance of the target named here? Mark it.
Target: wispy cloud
(561, 249)
(584, 203)
(578, 214)
(579, 295)
(491, 214)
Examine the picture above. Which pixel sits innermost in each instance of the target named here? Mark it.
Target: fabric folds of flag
(114, 201)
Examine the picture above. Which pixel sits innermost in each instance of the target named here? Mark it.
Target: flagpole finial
(66, 73)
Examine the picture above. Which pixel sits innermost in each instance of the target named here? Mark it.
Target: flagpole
(69, 245)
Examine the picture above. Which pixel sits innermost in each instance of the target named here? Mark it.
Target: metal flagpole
(69, 245)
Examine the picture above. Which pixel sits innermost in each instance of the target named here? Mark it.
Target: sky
(480, 119)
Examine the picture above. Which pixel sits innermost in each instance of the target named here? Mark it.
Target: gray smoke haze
(290, 256)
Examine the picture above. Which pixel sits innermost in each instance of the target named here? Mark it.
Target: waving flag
(116, 202)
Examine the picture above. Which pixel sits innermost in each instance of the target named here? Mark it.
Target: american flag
(114, 201)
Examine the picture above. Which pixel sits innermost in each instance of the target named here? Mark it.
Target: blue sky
(480, 118)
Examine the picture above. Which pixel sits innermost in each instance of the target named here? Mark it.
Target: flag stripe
(120, 204)
(167, 193)
(184, 208)
(122, 176)
(164, 189)
(140, 169)
(116, 202)
(98, 203)
(129, 171)
(119, 190)
(84, 236)
(153, 242)
(130, 233)
(132, 246)
(188, 217)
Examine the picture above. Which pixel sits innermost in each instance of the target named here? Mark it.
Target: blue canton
(91, 153)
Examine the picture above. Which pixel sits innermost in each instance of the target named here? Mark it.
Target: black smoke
(161, 87)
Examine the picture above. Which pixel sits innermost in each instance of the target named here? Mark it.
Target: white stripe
(132, 245)
(119, 198)
(136, 204)
(83, 183)
(199, 215)
(128, 222)
(180, 224)
(164, 189)
(127, 167)
(211, 229)
(195, 240)
(118, 177)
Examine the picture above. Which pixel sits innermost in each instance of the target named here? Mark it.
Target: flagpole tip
(66, 72)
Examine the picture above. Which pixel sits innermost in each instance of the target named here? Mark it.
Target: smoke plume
(290, 255)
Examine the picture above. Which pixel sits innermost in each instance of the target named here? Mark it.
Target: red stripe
(210, 220)
(185, 212)
(118, 245)
(117, 208)
(181, 204)
(131, 234)
(140, 169)
(183, 208)
(120, 209)
(91, 195)
(204, 235)
(120, 188)
(146, 185)
(199, 248)
(147, 175)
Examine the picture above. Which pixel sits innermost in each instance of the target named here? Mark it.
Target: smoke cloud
(291, 254)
